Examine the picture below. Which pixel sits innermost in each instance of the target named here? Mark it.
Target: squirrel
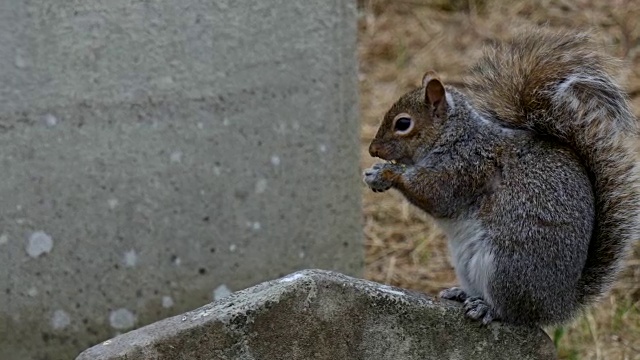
(531, 173)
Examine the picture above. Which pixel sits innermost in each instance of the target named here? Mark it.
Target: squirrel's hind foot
(474, 306)
(454, 293)
(477, 309)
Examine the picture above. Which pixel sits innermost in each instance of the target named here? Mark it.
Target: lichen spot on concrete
(60, 320)
(221, 292)
(4, 238)
(275, 160)
(50, 120)
(130, 258)
(177, 261)
(176, 156)
(122, 319)
(19, 61)
(165, 82)
(167, 302)
(292, 277)
(261, 186)
(39, 243)
(255, 225)
(112, 203)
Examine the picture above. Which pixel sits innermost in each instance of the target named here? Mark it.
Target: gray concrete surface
(156, 154)
(311, 315)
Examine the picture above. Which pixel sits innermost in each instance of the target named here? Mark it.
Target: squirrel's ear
(435, 94)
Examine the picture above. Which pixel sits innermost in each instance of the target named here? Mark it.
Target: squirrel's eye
(403, 125)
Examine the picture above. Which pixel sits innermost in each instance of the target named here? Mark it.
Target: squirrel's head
(412, 123)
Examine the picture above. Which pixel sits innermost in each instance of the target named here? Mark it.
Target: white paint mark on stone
(167, 302)
(176, 156)
(60, 319)
(108, 342)
(389, 290)
(39, 243)
(322, 148)
(122, 319)
(33, 291)
(112, 203)
(217, 171)
(4, 238)
(275, 160)
(221, 291)
(292, 277)
(232, 247)
(130, 258)
(261, 186)
(50, 120)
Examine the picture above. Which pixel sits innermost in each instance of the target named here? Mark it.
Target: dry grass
(398, 41)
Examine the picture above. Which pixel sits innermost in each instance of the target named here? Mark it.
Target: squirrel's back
(561, 85)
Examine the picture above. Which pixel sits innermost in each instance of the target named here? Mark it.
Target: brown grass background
(398, 41)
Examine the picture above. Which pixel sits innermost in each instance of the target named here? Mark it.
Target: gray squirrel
(531, 174)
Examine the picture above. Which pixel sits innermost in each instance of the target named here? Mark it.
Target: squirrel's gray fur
(532, 175)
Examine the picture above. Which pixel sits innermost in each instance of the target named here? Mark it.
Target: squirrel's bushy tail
(560, 85)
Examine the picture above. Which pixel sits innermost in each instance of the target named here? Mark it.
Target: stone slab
(315, 314)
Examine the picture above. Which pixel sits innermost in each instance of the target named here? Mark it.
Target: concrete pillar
(157, 154)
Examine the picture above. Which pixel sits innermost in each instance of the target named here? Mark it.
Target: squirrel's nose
(374, 149)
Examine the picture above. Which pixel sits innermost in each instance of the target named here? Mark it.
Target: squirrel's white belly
(471, 254)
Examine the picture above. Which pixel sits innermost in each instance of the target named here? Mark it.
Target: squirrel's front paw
(477, 309)
(381, 177)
